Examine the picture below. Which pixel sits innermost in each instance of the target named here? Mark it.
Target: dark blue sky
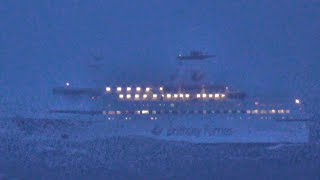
(266, 47)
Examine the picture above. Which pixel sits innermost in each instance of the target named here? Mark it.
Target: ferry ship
(190, 109)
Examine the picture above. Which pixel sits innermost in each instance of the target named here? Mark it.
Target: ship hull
(212, 130)
(195, 129)
(187, 129)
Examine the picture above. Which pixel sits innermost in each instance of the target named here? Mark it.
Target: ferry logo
(157, 130)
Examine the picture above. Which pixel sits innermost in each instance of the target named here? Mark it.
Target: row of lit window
(129, 118)
(198, 112)
(171, 96)
(262, 118)
(216, 96)
(153, 96)
(130, 89)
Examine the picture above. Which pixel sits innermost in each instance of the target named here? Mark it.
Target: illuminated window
(121, 96)
(138, 88)
(137, 112)
(108, 89)
(181, 95)
(248, 112)
(145, 112)
(168, 96)
(128, 96)
(216, 95)
(119, 89)
(198, 95)
(145, 96)
(175, 95)
(128, 88)
(161, 88)
(223, 95)
(136, 96)
(210, 95)
(187, 95)
(118, 112)
(204, 95)
(255, 112)
(148, 89)
(154, 96)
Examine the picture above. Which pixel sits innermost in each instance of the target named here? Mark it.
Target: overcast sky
(262, 47)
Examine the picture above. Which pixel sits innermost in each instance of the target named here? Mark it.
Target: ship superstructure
(188, 110)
